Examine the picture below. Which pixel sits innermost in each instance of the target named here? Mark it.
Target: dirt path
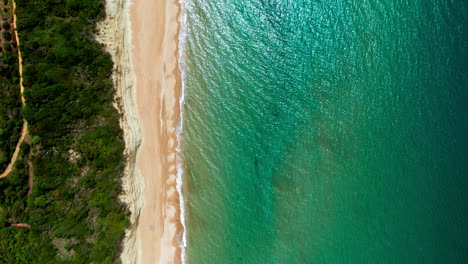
(21, 225)
(24, 131)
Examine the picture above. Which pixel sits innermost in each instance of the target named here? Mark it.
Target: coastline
(142, 37)
(115, 34)
(155, 30)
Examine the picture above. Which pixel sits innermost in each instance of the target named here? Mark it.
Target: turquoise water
(326, 131)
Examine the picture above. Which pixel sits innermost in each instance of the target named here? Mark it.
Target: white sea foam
(180, 126)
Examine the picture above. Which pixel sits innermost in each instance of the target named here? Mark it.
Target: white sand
(115, 34)
(147, 81)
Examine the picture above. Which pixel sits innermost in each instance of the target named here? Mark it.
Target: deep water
(326, 131)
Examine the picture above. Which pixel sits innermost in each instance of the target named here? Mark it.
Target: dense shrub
(7, 46)
(77, 146)
(10, 105)
(6, 25)
(6, 35)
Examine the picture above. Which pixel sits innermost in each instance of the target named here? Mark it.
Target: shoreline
(155, 31)
(142, 37)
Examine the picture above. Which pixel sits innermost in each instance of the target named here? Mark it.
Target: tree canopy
(77, 146)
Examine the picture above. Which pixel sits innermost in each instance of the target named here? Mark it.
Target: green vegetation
(13, 198)
(6, 35)
(10, 98)
(6, 25)
(76, 142)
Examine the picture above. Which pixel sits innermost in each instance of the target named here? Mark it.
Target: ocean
(325, 131)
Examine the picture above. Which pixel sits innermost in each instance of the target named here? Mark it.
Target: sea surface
(323, 131)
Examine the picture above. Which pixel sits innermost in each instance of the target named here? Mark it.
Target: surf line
(180, 160)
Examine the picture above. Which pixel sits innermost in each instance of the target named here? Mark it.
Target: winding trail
(24, 131)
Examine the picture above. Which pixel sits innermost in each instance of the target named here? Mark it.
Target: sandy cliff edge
(115, 33)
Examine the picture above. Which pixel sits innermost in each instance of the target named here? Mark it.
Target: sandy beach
(142, 38)
(155, 33)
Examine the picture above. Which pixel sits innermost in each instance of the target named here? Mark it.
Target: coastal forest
(60, 202)
(10, 102)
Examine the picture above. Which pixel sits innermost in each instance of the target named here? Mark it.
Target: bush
(6, 25)
(6, 35)
(6, 46)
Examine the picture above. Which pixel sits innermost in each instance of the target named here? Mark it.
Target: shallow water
(326, 131)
